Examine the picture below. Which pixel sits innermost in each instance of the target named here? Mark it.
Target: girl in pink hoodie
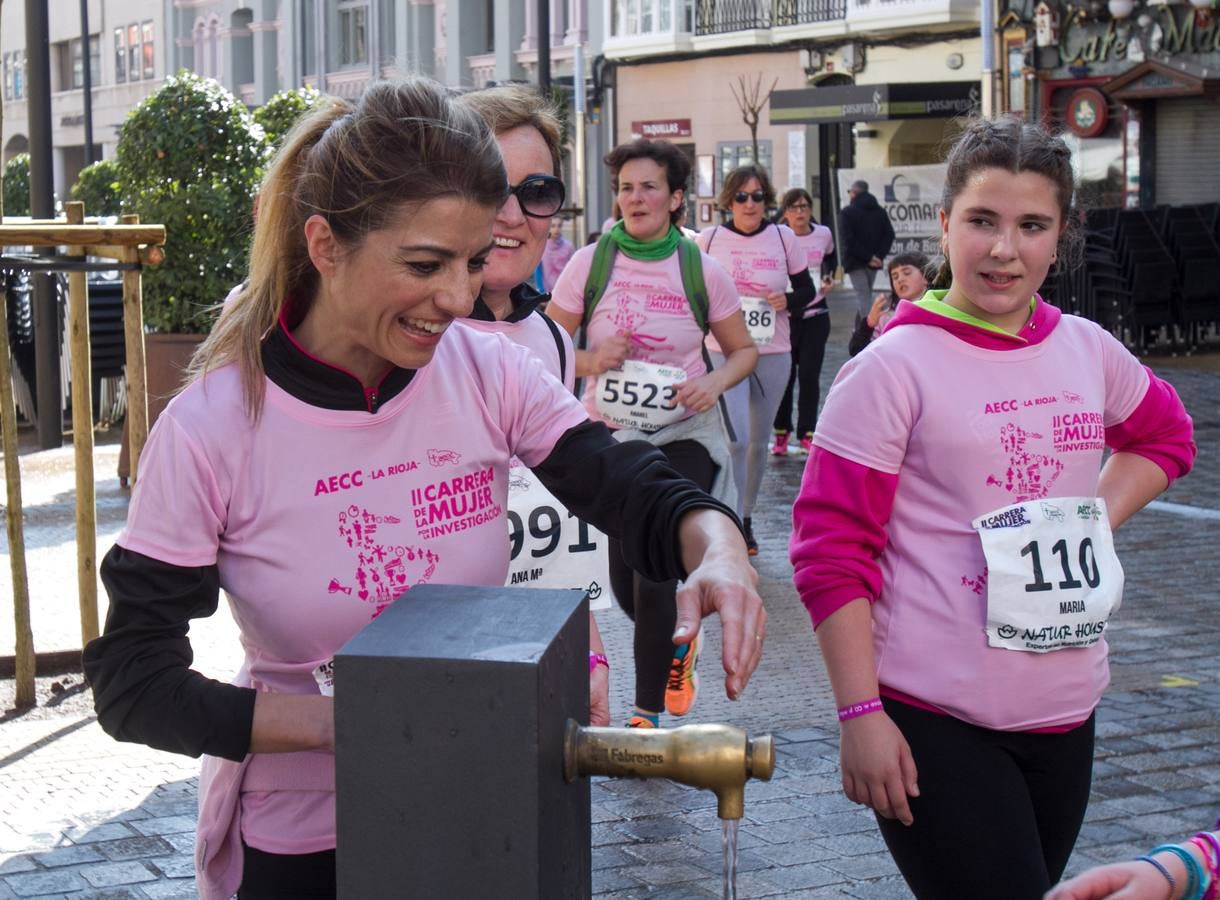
(955, 549)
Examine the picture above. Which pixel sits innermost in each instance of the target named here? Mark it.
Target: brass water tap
(720, 758)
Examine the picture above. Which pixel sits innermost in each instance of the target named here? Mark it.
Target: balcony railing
(722, 16)
(804, 12)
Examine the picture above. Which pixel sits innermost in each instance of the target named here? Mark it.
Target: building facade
(676, 65)
(258, 47)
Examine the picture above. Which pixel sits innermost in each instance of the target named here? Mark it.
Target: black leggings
(997, 813)
(279, 876)
(650, 604)
(808, 350)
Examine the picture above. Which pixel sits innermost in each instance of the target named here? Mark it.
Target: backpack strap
(599, 275)
(559, 346)
(690, 261)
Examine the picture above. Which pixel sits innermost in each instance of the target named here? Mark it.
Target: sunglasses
(756, 196)
(539, 196)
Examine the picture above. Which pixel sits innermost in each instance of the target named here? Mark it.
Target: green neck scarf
(651, 251)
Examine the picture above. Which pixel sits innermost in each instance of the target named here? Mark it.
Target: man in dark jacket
(865, 237)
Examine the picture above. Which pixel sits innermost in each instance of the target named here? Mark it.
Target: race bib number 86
(1053, 578)
(760, 319)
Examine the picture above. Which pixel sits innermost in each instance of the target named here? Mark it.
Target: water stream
(728, 840)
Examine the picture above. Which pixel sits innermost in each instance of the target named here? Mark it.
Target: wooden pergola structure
(132, 246)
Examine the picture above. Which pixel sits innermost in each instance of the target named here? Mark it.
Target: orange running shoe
(683, 685)
(640, 722)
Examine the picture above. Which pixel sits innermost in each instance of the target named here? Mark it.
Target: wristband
(597, 659)
(1194, 872)
(859, 709)
(1173, 885)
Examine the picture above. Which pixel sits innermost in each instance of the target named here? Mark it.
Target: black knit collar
(320, 384)
(524, 299)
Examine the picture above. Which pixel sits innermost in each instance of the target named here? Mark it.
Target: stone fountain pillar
(449, 734)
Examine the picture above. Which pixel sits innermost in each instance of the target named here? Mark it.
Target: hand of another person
(777, 301)
(724, 583)
(827, 283)
(611, 353)
(1130, 880)
(878, 307)
(878, 769)
(599, 696)
(874, 263)
(698, 394)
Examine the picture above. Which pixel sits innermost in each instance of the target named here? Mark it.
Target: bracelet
(1173, 885)
(1209, 864)
(859, 709)
(1194, 872)
(597, 659)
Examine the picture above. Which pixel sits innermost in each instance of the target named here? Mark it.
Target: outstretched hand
(724, 583)
(1131, 880)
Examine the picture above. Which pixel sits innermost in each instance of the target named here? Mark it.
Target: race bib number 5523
(640, 395)
(1053, 578)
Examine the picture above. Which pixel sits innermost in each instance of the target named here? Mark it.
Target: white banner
(911, 196)
(549, 547)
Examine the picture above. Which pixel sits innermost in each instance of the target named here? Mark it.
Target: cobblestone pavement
(83, 816)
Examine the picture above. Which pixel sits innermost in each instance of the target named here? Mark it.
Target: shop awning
(875, 102)
(1153, 79)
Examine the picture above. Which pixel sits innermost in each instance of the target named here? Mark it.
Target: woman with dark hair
(343, 439)
(811, 329)
(763, 259)
(645, 374)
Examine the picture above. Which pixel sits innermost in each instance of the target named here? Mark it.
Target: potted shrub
(189, 157)
(97, 186)
(283, 110)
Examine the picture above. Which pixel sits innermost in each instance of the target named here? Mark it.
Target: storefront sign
(1087, 112)
(661, 129)
(910, 196)
(1173, 31)
(874, 102)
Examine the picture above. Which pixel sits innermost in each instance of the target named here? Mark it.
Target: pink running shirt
(817, 244)
(759, 265)
(646, 301)
(318, 519)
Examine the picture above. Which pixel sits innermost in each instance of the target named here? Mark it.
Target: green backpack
(689, 261)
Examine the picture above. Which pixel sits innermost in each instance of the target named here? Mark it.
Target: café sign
(1175, 31)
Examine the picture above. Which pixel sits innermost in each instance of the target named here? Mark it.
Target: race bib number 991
(760, 319)
(549, 547)
(1053, 578)
(640, 395)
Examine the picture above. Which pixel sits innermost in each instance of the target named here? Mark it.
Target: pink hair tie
(859, 709)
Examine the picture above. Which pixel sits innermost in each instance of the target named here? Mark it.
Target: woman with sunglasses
(645, 376)
(530, 137)
(762, 258)
(345, 438)
(810, 330)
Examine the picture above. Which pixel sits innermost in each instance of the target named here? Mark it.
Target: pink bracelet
(859, 709)
(597, 659)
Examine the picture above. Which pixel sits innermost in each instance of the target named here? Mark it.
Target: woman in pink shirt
(345, 438)
(646, 376)
(764, 259)
(954, 545)
(811, 329)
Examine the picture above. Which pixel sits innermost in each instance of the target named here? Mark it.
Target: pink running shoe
(807, 443)
(780, 447)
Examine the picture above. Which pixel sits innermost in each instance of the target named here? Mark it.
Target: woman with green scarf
(645, 301)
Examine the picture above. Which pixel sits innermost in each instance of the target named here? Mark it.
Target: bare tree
(751, 100)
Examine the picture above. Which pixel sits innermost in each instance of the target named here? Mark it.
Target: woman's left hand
(777, 301)
(698, 394)
(599, 696)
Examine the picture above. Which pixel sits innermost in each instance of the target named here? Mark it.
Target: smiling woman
(267, 476)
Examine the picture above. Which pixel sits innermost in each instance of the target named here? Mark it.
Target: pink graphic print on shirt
(384, 571)
(1029, 475)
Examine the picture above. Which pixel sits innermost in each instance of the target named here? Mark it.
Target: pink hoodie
(934, 424)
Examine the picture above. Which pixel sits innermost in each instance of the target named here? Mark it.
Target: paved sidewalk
(83, 816)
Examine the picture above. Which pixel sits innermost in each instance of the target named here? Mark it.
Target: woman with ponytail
(646, 376)
(294, 472)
